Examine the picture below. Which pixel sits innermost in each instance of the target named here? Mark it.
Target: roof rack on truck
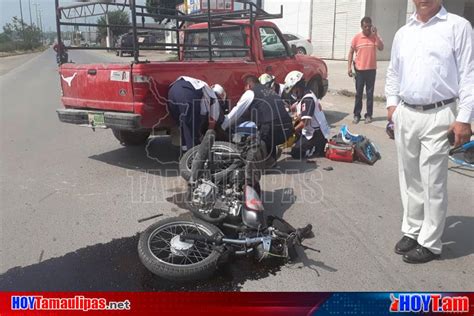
(70, 14)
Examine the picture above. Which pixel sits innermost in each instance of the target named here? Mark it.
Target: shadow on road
(380, 119)
(115, 266)
(159, 157)
(279, 201)
(309, 263)
(457, 237)
(290, 166)
(463, 171)
(334, 117)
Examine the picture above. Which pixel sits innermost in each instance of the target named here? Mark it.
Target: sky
(11, 8)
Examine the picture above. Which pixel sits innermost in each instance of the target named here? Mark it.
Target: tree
(25, 36)
(119, 18)
(154, 6)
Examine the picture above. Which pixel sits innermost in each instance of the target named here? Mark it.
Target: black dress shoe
(405, 245)
(419, 255)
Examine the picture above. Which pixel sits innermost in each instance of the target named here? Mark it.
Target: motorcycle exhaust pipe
(218, 240)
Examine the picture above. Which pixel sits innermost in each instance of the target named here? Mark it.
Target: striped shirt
(366, 51)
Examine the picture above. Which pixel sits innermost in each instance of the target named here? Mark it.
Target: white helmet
(267, 80)
(219, 90)
(292, 78)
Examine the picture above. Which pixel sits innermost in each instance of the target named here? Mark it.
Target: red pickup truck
(131, 98)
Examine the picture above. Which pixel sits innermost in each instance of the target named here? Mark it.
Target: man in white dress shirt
(432, 65)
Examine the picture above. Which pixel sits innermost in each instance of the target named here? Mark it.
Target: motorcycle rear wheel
(163, 254)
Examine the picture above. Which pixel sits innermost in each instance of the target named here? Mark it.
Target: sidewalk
(339, 80)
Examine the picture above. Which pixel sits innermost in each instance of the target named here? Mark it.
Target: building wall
(388, 16)
(296, 15)
(347, 24)
(453, 6)
(335, 22)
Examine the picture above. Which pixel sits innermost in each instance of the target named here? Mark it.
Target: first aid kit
(338, 150)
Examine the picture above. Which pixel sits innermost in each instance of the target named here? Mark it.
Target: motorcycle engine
(204, 196)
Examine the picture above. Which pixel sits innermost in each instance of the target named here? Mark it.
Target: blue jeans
(364, 78)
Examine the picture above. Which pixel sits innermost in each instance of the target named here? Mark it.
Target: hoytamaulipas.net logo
(76, 303)
(435, 303)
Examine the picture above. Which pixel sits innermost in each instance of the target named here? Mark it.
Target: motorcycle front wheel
(161, 251)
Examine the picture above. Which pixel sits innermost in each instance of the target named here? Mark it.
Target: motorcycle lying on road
(228, 218)
(223, 149)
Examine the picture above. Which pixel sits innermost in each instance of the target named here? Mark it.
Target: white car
(303, 46)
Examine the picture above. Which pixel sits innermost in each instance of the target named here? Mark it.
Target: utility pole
(29, 5)
(109, 40)
(41, 25)
(22, 23)
(36, 13)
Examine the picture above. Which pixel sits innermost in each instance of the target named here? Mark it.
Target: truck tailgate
(97, 86)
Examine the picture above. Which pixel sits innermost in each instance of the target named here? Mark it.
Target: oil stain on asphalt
(115, 266)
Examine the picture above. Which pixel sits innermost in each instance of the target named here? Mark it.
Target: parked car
(303, 46)
(125, 45)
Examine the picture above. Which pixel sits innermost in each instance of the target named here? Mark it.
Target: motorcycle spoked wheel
(161, 251)
(186, 161)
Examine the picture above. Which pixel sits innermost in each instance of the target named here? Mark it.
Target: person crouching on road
(221, 97)
(313, 128)
(269, 81)
(191, 102)
(267, 111)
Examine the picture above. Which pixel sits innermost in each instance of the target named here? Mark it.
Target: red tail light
(252, 200)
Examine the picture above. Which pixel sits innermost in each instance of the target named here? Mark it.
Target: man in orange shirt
(365, 45)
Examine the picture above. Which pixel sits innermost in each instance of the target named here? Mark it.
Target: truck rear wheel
(129, 138)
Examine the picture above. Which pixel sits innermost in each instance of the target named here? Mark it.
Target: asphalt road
(71, 200)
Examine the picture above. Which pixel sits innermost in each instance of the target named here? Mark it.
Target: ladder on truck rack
(68, 15)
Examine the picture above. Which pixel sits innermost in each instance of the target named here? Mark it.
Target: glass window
(272, 45)
(230, 36)
(289, 37)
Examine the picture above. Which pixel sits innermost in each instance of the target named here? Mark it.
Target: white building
(331, 24)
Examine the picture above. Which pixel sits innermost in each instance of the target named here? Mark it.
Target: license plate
(96, 119)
